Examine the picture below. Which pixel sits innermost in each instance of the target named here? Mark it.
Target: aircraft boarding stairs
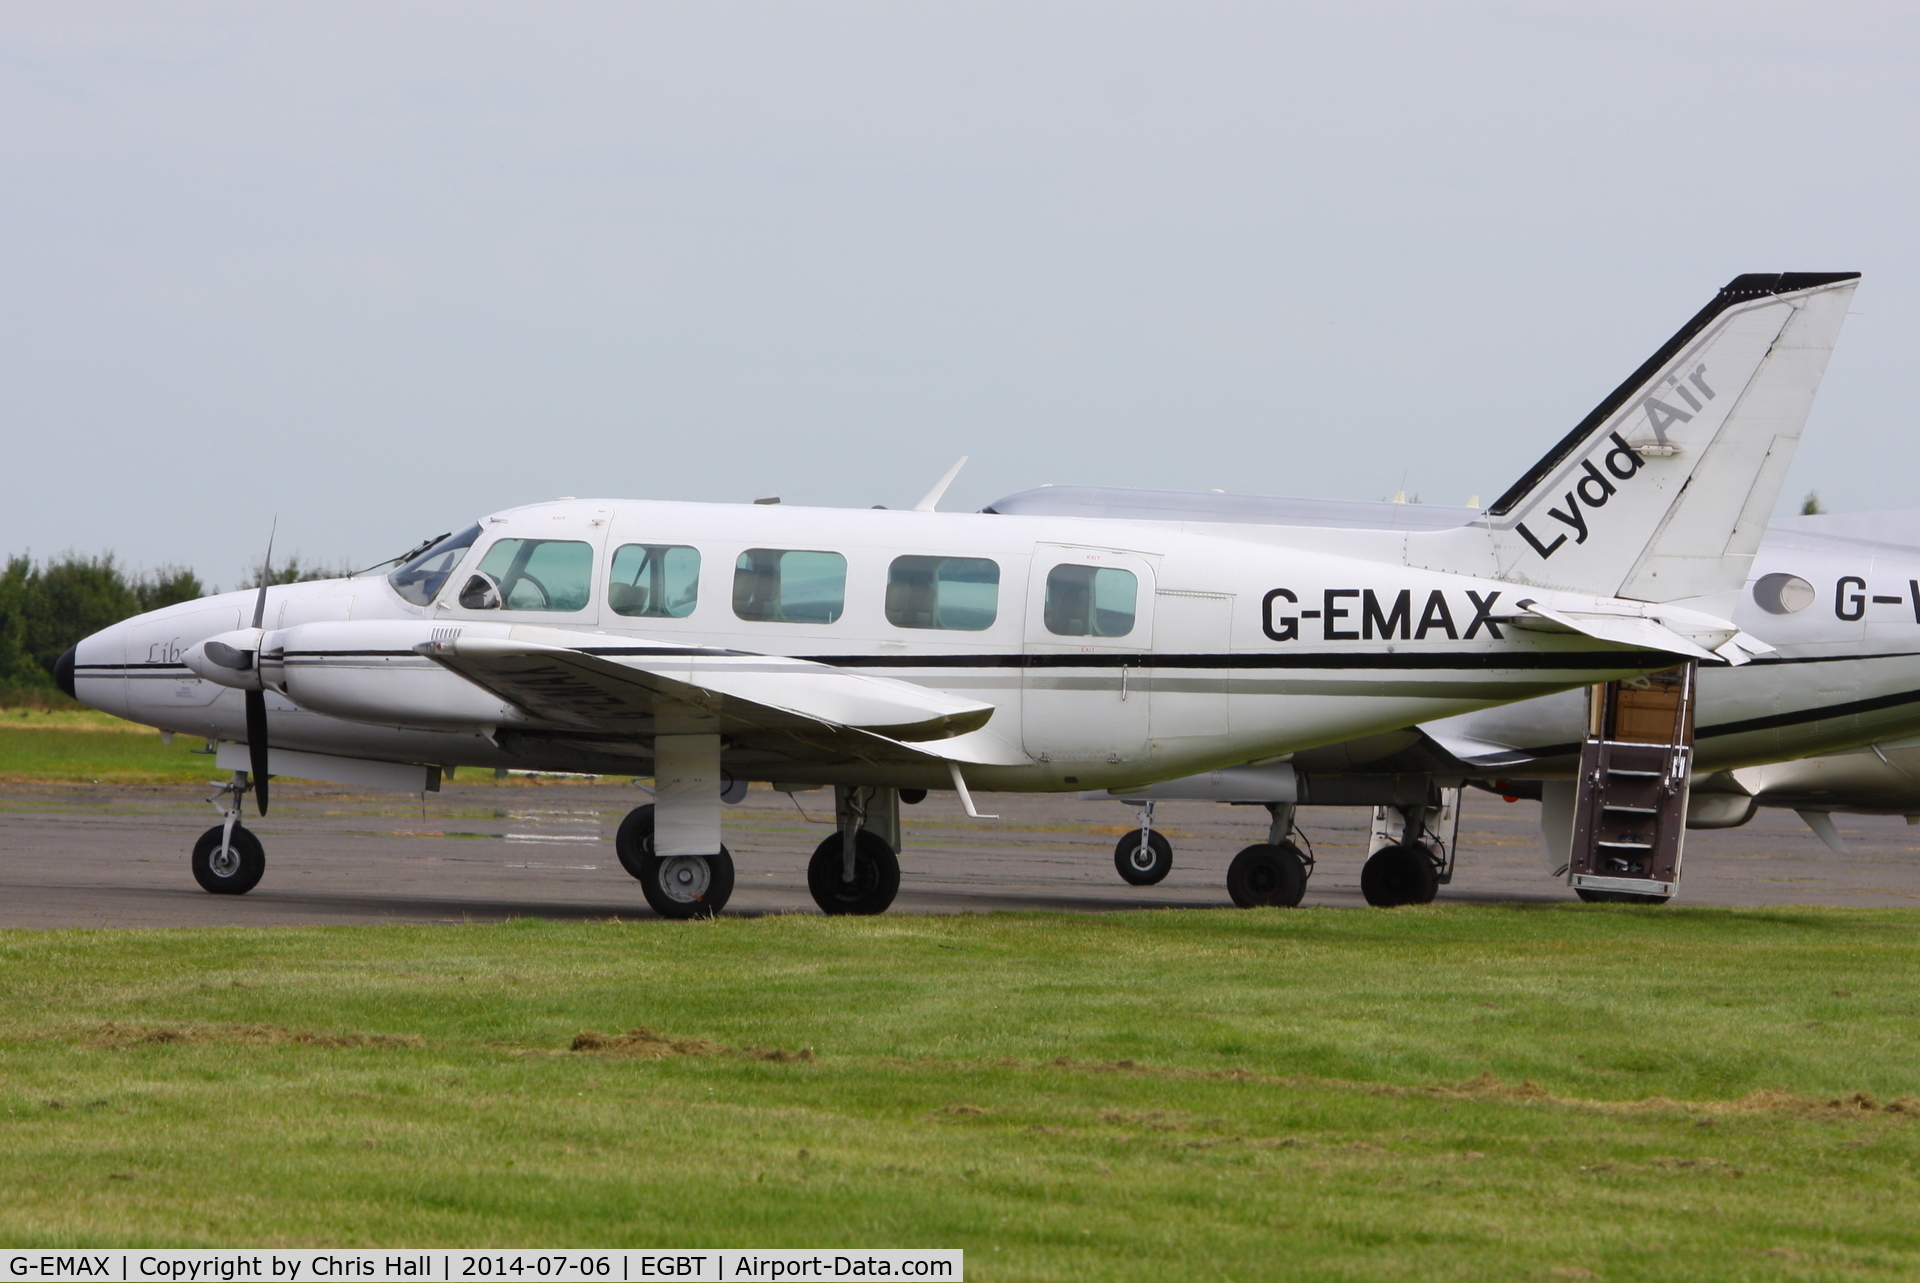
(1630, 809)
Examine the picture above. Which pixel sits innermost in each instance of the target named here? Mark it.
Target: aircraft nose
(63, 671)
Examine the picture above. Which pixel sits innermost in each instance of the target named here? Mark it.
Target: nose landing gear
(1143, 857)
(228, 859)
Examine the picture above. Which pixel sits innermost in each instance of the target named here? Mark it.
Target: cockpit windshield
(422, 577)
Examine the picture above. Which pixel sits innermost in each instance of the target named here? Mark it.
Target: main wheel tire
(1143, 864)
(633, 841)
(1263, 875)
(688, 886)
(677, 886)
(235, 871)
(1397, 875)
(1593, 895)
(876, 875)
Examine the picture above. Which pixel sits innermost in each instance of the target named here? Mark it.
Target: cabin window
(1090, 601)
(532, 574)
(657, 581)
(422, 577)
(773, 585)
(961, 593)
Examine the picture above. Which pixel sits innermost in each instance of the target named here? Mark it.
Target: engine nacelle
(367, 671)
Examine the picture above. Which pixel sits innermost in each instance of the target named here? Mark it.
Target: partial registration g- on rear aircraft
(885, 653)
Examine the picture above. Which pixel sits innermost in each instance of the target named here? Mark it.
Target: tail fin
(1666, 488)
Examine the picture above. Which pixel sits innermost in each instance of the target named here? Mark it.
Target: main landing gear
(855, 871)
(676, 886)
(1411, 852)
(1273, 873)
(228, 859)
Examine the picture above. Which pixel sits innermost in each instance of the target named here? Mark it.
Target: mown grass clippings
(643, 1043)
(116, 1037)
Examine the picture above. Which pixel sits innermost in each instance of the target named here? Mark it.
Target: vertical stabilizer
(1664, 491)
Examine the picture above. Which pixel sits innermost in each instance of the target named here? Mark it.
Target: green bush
(44, 609)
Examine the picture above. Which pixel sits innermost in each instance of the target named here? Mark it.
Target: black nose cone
(63, 672)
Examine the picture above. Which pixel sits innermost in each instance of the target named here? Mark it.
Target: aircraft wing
(796, 706)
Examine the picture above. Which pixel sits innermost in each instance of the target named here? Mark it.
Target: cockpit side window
(420, 580)
(532, 574)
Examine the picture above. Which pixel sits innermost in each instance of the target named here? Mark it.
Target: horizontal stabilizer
(1473, 752)
(1626, 630)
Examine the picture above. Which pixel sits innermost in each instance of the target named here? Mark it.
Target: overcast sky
(380, 268)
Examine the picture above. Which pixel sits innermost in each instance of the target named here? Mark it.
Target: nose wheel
(1143, 857)
(228, 863)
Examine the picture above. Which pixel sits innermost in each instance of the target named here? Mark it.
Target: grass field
(1444, 1093)
(82, 745)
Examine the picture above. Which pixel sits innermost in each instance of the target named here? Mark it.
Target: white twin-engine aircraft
(887, 653)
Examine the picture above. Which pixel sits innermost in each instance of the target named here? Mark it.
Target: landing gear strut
(228, 859)
(856, 871)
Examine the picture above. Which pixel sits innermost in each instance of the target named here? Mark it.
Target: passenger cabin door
(1089, 629)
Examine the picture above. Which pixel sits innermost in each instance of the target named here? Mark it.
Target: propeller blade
(266, 577)
(257, 745)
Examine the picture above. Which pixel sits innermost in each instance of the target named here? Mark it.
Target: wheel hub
(685, 878)
(224, 862)
(1143, 857)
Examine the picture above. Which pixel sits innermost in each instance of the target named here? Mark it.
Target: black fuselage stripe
(1569, 661)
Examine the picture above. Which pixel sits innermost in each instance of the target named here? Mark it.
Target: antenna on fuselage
(932, 496)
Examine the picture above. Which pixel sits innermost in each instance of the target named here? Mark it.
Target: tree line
(47, 607)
